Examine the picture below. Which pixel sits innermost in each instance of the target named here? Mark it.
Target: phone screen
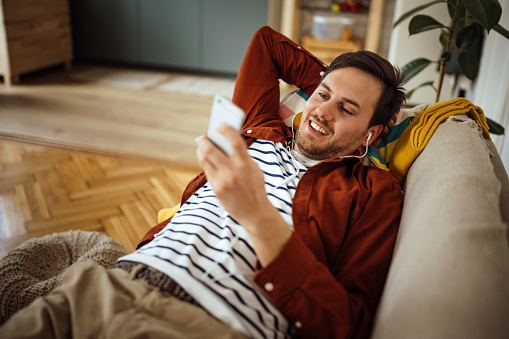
(224, 111)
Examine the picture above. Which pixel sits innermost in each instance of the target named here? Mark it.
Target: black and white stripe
(211, 256)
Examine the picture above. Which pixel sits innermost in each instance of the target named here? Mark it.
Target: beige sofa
(450, 272)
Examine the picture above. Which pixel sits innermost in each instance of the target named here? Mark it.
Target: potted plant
(456, 38)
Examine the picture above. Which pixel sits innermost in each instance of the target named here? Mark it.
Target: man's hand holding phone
(239, 185)
(223, 154)
(224, 111)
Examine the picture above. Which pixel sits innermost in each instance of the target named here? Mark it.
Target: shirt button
(269, 287)
(322, 73)
(298, 324)
(249, 131)
(299, 47)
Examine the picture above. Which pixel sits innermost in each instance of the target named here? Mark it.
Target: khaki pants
(94, 302)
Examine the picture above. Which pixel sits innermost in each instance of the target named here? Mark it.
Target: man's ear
(375, 132)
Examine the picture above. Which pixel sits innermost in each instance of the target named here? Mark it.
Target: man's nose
(325, 111)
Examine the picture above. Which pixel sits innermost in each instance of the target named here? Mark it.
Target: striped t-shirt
(212, 257)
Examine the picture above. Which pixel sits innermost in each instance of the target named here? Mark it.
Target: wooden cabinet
(34, 34)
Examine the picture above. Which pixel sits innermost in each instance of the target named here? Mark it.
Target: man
(290, 236)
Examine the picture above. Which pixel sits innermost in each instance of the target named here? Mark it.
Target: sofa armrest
(450, 272)
(502, 176)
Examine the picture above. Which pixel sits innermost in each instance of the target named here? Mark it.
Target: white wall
(492, 86)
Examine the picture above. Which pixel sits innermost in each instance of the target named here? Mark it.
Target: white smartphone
(224, 111)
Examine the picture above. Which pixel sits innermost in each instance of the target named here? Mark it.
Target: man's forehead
(344, 98)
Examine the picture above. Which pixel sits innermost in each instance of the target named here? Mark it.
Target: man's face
(336, 117)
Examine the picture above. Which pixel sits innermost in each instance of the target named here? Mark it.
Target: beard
(324, 151)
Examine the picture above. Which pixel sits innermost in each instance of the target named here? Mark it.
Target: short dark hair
(393, 94)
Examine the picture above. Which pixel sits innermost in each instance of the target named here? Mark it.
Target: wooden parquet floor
(47, 189)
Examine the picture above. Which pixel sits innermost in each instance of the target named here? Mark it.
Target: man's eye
(322, 95)
(347, 112)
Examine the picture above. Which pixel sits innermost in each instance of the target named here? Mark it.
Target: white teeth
(318, 128)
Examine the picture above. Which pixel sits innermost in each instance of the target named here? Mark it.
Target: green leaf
(427, 83)
(466, 37)
(415, 10)
(413, 68)
(461, 11)
(451, 7)
(485, 12)
(463, 18)
(468, 64)
(494, 127)
(424, 84)
(465, 21)
(456, 9)
(444, 37)
(410, 93)
(421, 23)
(501, 30)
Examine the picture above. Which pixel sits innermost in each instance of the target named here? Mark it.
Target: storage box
(330, 27)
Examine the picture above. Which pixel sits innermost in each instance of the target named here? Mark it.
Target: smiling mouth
(318, 128)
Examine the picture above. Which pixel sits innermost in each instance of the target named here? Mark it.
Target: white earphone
(361, 156)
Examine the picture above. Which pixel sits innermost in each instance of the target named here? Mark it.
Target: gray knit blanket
(36, 267)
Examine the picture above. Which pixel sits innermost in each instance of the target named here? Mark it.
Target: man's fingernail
(197, 139)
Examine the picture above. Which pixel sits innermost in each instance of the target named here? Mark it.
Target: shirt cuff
(288, 271)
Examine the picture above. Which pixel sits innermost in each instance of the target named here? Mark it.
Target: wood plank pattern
(48, 189)
(52, 107)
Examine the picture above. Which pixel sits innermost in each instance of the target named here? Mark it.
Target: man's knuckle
(238, 144)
